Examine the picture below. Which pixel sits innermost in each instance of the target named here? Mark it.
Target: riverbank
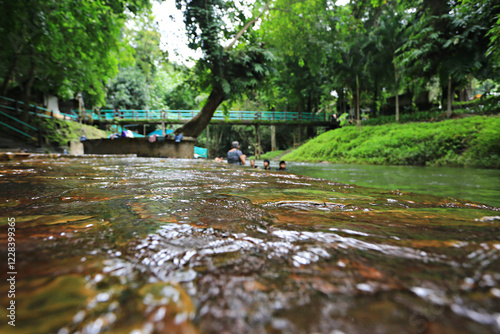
(56, 135)
(472, 141)
(58, 132)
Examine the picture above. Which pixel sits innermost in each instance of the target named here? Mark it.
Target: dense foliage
(472, 141)
(308, 56)
(62, 47)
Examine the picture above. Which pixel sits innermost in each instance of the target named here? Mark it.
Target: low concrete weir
(166, 148)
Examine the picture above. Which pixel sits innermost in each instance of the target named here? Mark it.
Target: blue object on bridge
(159, 133)
(178, 138)
(200, 152)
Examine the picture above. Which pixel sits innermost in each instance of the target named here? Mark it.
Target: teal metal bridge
(10, 109)
(120, 116)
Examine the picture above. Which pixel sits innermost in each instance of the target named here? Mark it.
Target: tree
(63, 46)
(494, 35)
(224, 71)
(134, 87)
(144, 38)
(303, 35)
(385, 35)
(128, 90)
(448, 39)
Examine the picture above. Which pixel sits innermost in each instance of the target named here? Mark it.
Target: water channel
(139, 245)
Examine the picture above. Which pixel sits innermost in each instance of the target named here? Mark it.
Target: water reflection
(142, 245)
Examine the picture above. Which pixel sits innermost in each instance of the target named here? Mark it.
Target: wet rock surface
(143, 245)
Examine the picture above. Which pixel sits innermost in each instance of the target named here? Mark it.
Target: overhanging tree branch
(247, 26)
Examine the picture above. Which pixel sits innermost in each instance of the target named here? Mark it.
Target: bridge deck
(182, 116)
(124, 117)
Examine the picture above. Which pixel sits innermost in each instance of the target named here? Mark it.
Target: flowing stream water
(475, 184)
(139, 245)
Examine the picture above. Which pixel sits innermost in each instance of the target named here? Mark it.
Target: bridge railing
(163, 115)
(16, 106)
(184, 115)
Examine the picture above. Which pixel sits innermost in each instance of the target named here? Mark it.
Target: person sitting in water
(282, 165)
(252, 164)
(235, 156)
(266, 165)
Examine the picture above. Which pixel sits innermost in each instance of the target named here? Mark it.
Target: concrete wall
(167, 148)
(76, 148)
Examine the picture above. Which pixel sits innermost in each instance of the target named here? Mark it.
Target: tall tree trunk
(344, 106)
(8, 76)
(449, 98)
(198, 123)
(273, 138)
(340, 103)
(375, 97)
(358, 122)
(208, 141)
(396, 80)
(468, 91)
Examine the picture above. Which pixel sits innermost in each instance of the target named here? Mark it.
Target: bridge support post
(273, 138)
(258, 149)
(208, 141)
(296, 135)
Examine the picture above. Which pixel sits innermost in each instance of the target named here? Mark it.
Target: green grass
(472, 141)
(269, 155)
(58, 132)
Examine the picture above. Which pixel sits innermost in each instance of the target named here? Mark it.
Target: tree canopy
(63, 46)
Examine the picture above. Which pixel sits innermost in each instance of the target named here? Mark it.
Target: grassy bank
(58, 132)
(472, 141)
(269, 155)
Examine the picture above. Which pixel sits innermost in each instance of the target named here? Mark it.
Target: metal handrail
(17, 130)
(21, 102)
(18, 120)
(72, 117)
(109, 114)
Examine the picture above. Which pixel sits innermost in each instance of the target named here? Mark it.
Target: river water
(138, 245)
(480, 185)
